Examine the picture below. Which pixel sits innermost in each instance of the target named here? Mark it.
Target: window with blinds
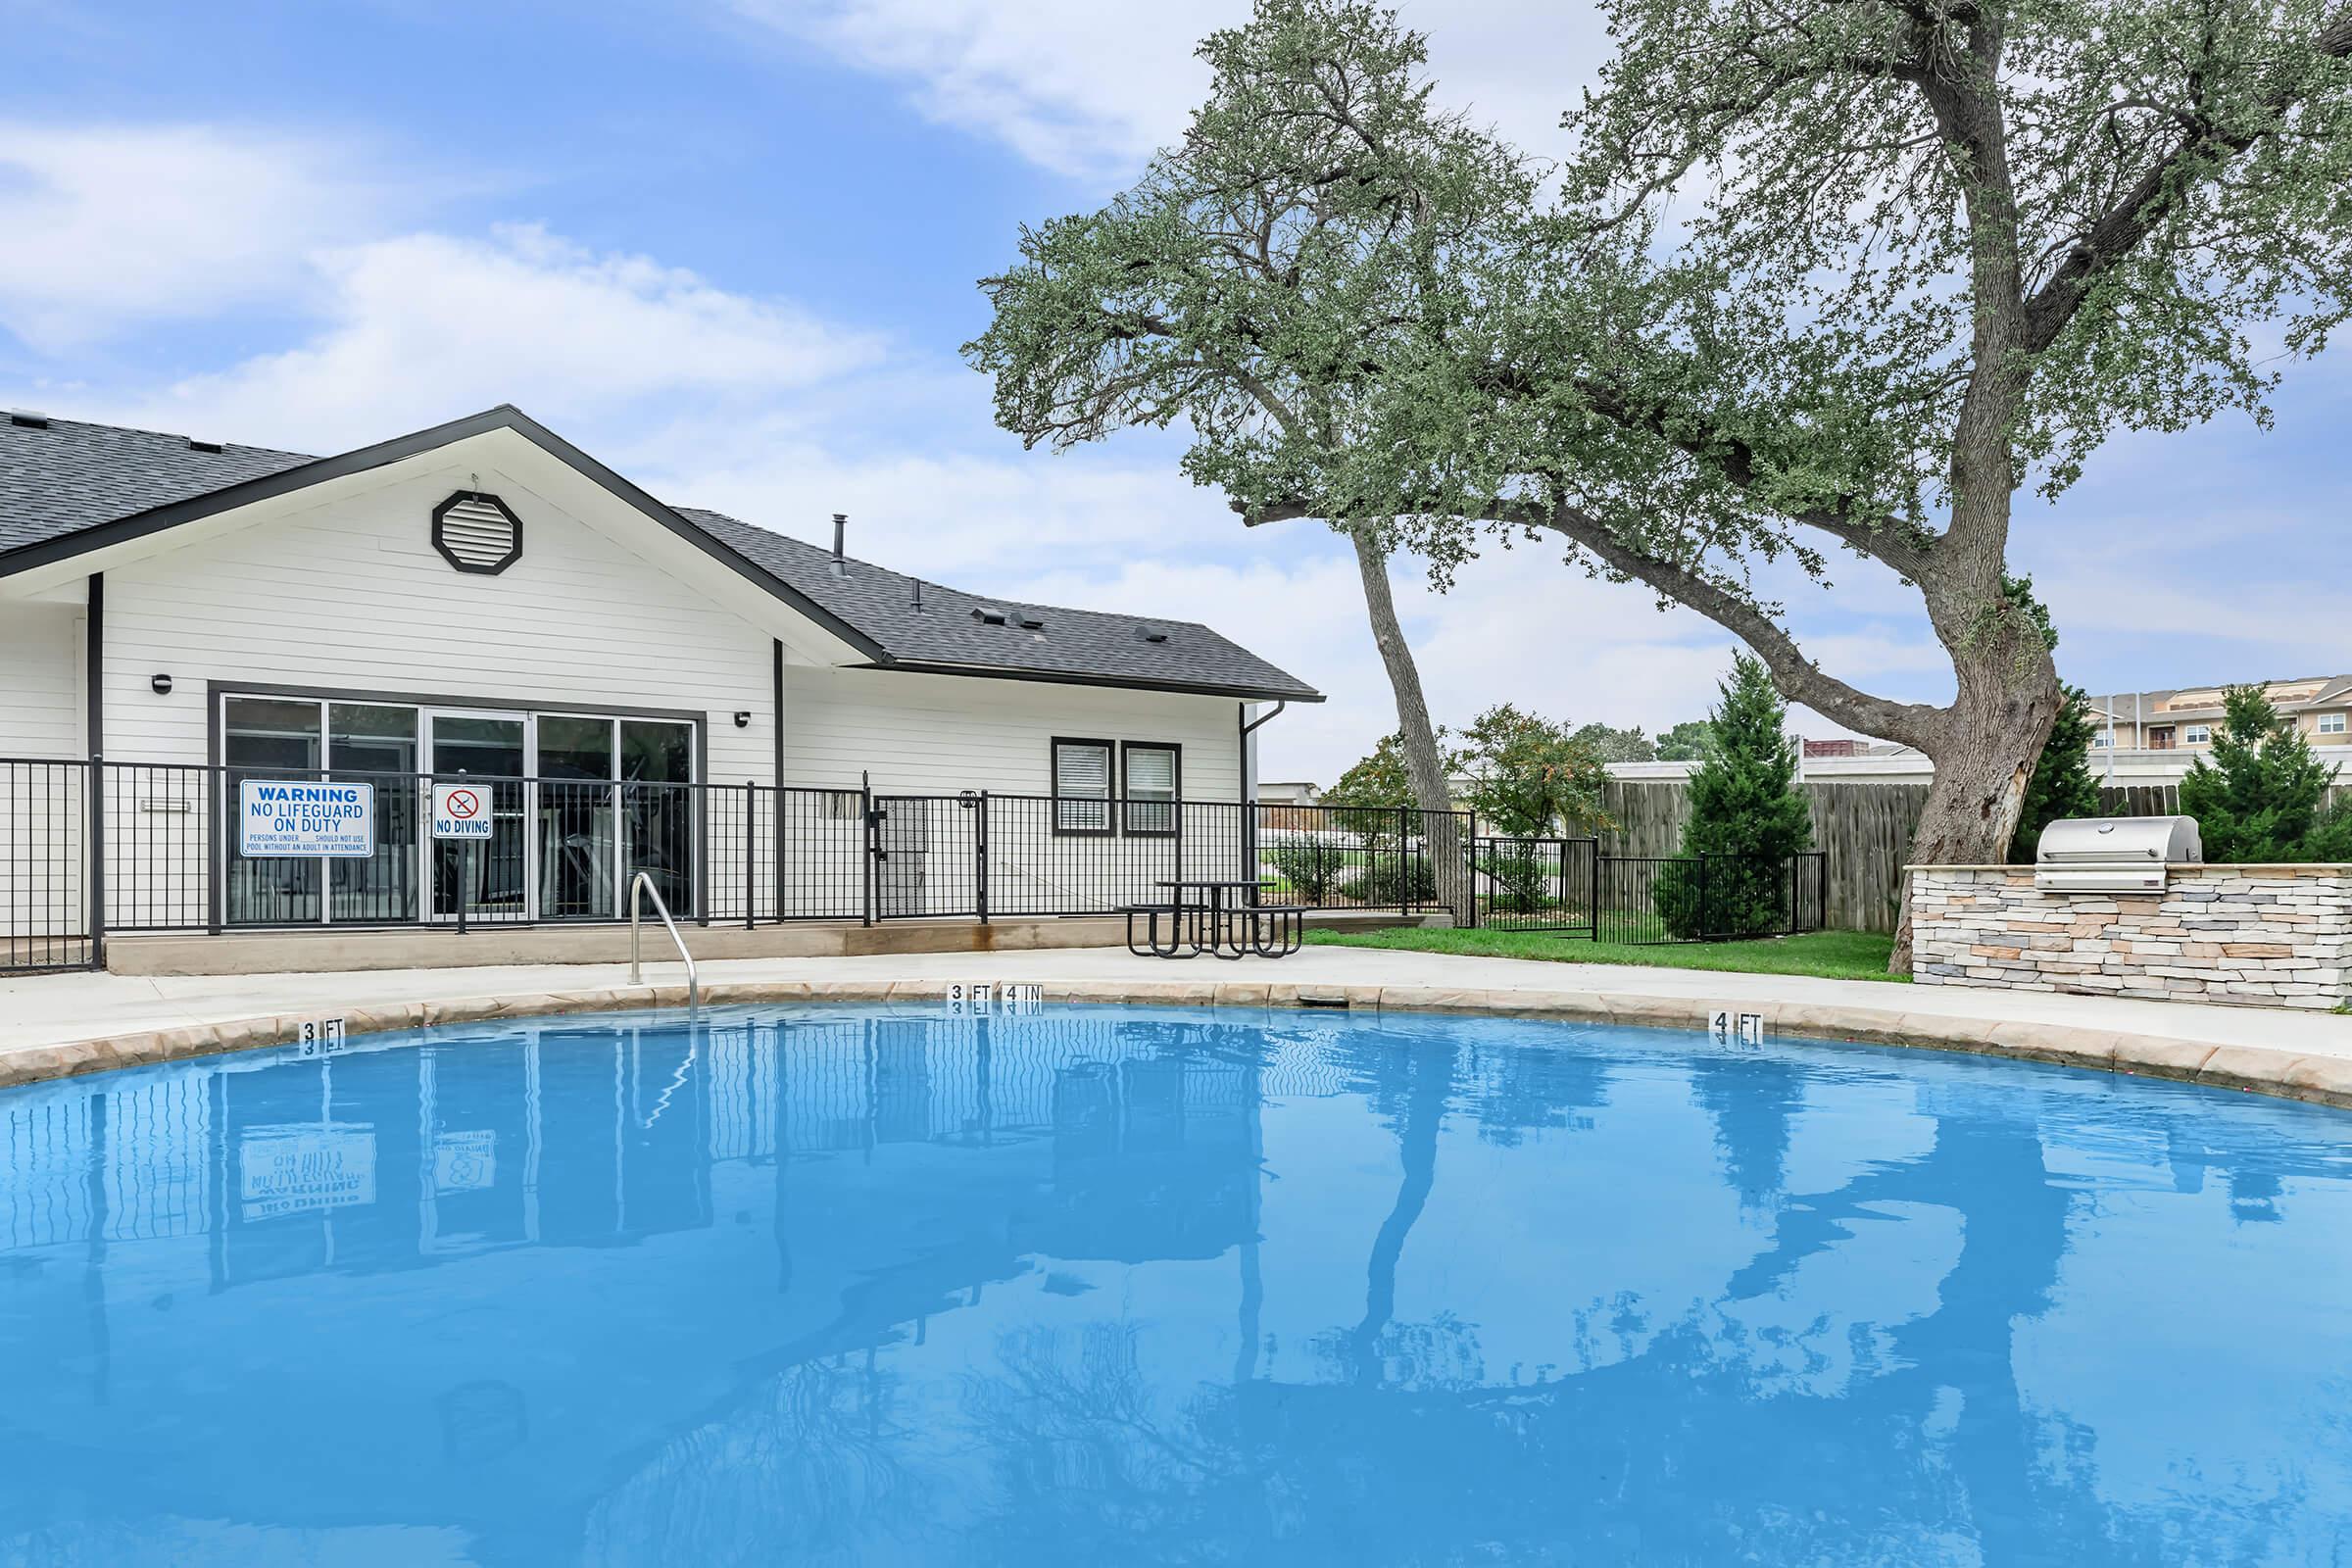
(1081, 786)
(1149, 788)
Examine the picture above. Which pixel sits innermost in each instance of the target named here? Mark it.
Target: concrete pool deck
(56, 1025)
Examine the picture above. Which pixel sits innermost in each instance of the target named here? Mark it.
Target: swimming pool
(854, 1285)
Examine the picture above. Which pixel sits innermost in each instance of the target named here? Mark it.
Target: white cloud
(756, 406)
(1090, 89)
(104, 228)
(1075, 86)
(427, 326)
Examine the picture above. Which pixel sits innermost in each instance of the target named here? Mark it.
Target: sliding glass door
(580, 823)
(580, 804)
(492, 875)
(616, 798)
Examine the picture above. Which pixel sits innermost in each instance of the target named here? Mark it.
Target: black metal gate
(927, 855)
(45, 888)
(1532, 884)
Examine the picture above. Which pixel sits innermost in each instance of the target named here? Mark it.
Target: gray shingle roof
(70, 476)
(1082, 644)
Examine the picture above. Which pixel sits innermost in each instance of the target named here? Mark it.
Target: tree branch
(2151, 199)
(1800, 679)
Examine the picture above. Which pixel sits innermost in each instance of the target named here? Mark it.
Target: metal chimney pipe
(841, 526)
(918, 592)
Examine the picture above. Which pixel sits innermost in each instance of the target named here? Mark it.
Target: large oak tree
(1814, 278)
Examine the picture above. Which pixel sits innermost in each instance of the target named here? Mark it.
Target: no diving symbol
(462, 803)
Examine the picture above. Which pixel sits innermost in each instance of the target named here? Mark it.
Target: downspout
(93, 835)
(1249, 780)
(777, 796)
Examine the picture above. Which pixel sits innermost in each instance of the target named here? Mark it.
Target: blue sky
(731, 248)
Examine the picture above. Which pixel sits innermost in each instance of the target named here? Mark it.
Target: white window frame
(2330, 724)
(2196, 735)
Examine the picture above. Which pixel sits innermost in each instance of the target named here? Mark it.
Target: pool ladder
(642, 885)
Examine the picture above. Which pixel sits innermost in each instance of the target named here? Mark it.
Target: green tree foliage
(1686, 742)
(1810, 280)
(1618, 744)
(1376, 782)
(2062, 785)
(1746, 818)
(1250, 285)
(1529, 777)
(1368, 797)
(2263, 795)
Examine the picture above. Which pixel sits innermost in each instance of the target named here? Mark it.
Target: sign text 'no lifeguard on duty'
(281, 818)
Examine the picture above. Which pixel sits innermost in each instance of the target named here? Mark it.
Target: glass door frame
(427, 846)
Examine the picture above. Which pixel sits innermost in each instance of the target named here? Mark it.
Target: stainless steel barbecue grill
(2114, 854)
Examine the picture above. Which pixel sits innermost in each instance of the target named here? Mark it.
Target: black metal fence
(160, 846)
(155, 847)
(1568, 887)
(1709, 897)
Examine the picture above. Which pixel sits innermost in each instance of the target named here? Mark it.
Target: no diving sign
(460, 811)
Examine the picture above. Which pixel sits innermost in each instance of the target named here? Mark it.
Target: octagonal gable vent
(477, 532)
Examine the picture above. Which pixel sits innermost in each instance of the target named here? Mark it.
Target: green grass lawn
(1831, 954)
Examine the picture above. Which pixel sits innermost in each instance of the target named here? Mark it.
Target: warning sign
(460, 811)
(294, 1169)
(281, 818)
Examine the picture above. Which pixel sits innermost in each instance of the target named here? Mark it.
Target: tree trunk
(1424, 764)
(1984, 759)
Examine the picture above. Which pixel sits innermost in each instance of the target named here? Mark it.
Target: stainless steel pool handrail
(643, 883)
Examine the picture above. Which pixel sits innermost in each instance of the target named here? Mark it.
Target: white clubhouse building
(645, 687)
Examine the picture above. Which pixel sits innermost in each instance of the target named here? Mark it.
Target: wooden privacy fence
(1866, 828)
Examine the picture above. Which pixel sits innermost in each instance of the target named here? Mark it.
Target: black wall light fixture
(161, 684)
(743, 718)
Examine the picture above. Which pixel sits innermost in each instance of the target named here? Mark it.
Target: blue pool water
(1128, 1286)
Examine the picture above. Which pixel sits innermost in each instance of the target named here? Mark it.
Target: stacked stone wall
(2277, 936)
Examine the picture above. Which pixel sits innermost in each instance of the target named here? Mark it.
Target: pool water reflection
(1159, 1286)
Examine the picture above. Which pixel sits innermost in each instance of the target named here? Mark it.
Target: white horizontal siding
(352, 596)
(41, 802)
(941, 734)
(938, 734)
(40, 680)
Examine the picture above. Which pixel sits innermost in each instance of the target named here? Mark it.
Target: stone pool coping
(2320, 1077)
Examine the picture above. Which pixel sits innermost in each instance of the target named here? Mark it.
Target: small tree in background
(1618, 744)
(2062, 785)
(1369, 807)
(1746, 818)
(2264, 795)
(1368, 796)
(1530, 777)
(1686, 742)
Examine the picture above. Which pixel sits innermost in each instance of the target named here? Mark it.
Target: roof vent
(1151, 634)
(1030, 622)
(195, 445)
(477, 534)
(918, 592)
(841, 526)
(987, 616)
(27, 420)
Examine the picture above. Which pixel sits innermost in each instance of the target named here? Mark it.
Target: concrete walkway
(57, 1024)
